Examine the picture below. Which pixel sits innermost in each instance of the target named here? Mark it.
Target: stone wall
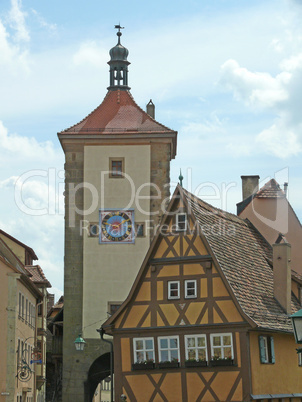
(160, 176)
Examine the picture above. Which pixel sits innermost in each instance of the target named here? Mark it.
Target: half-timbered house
(207, 316)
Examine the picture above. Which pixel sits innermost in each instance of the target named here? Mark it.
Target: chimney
(150, 109)
(250, 185)
(285, 188)
(282, 274)
(50, 301)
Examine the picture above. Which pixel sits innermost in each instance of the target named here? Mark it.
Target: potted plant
(143, 365)
(222, 361)
(173, 363)
(196, 363)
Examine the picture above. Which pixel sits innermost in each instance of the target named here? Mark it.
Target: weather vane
(118, 27)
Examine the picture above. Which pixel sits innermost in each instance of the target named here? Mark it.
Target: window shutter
(272, 349)
(262, 349)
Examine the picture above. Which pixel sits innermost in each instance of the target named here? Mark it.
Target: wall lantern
(79, 343)
(297, 325)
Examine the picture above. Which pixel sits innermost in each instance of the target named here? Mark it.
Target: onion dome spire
(180, 178)
(118, 64)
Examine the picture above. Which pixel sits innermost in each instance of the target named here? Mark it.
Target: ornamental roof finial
(180, 178)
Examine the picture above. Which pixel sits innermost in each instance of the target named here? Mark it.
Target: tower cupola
(118, 64)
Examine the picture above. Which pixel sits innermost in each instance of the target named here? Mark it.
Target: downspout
(35, 343)
(101, 332)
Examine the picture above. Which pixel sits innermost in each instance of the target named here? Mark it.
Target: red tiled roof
(245, 258)
(37, 275)
(118, 113)
(271, 189)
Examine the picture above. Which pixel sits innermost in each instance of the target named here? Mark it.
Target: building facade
(117, 169)
(23, 294)
(207, 318)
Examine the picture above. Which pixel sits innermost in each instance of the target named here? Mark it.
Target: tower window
(116, 167)
(94, 230)
(140, 229)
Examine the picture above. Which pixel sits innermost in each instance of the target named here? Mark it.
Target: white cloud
(52, 28)
(32, 198)
(280, 94)
(254, 88)
(24, 147)
(16, 19)
(280, 140)
(90, 53)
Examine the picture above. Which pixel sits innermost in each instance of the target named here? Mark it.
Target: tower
(117, 176)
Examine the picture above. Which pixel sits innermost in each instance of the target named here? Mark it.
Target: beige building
(23, 295)
(271, 213)
(117, 165)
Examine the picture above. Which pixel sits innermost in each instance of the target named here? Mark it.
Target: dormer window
(181, 222)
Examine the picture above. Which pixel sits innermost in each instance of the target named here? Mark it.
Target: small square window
(181, 222)
(190, 289)
(140, 230)
(173, 290)
(116, 167)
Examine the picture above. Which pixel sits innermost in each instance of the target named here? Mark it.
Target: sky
(227, 75)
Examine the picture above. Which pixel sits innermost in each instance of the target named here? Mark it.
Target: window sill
(217, 363)
(164, 365)
(196, 364)
(143, 366)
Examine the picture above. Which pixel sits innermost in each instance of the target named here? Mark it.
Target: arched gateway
(99, 370)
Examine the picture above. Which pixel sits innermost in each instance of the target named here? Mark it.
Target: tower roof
(118, 113)
(118, 117)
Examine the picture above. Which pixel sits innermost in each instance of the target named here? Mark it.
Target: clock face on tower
(117, 226)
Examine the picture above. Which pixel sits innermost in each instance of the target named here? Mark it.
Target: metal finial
(119, 34)
(180, 178)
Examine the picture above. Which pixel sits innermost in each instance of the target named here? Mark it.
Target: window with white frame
(181, 222)
(168, 349)
(196, 347)
(300, 359)
(190, 288)
(143, 349)
(173, 290)
(266, 348)
(222, 346)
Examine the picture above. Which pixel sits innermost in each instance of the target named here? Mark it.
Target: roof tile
(118, 113)
(245, 258)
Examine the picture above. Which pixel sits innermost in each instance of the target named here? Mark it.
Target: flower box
(143, 366)
(164, 365)
(194, 363)
(222, 362)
